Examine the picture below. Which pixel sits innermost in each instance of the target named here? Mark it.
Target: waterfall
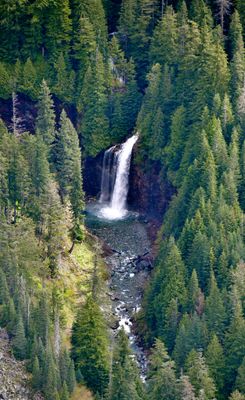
(114, 182)
(106, 180)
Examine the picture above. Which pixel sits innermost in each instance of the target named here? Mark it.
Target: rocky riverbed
(14, 381)
(129, 265)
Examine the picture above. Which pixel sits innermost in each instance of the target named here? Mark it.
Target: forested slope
(176, 73)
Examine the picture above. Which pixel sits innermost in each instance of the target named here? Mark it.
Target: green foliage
(125, 382)
(199, 375)
(240, 380)
(215, 361)
(92, 104)
(68, 163)
(214, 309)
(36, 374)
(19, 341)
(45, 124)
(90, 346)
(162, 382)
(164, 41)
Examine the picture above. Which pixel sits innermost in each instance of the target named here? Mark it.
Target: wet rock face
(149, 190)
(92, 175)
(14, 382)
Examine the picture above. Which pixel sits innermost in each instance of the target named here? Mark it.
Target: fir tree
(68, 163)
(64, 392)
(162, 382)
(45, 123)
(19, 341)
(186, 389)
(240, 380)
(29, 79)
(92, 105)
(36, 375)
(199, 375)
(125, 383)
(90, 346)
(215, 361)
(214, 309)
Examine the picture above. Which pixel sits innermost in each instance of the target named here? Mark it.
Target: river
(128, 274)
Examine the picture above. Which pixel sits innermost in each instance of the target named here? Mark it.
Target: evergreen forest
(77, 79)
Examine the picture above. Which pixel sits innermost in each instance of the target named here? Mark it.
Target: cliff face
(149, 190)
(92, 175)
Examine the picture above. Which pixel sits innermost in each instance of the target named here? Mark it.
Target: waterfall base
(104, 211)
(113, 213)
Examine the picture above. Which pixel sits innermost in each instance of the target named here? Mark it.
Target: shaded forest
(76, 77)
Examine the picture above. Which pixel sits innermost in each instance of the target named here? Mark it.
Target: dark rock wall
(92, 175)
(149, 190)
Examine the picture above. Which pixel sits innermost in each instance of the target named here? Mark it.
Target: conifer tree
(170, 283)
(53, 226)
(171, 321)
(194, 293)
(199, 375)
(127, 22)
(234, 344)
(11, 325)
(224, 7)
(57, 23)
(64, 392)
(236, 395)
(71, 378)
(240, 8)
(237, 62)
(92, 105)
(5, 81)
(175, 149)
(150, 120)
(125, 383)
(214, 308)
(84, 45)
(19, 341)
(164, 41)
(215, 361)
(201, 13)
(50, 374)
(45, 123)
(242, 182)
(68, 163)
(65, 80)
(29, 79)
(162, 382)
(240, 380)
(90, 346)
(36, 374)
(41, 318)
(4, 290)
(186, 389)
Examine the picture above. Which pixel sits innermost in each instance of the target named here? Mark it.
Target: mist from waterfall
(115, 177)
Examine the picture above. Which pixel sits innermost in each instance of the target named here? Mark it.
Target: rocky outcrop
(149, 189)
(14, 381)
(92, 175)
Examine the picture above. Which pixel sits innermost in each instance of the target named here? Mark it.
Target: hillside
(122, 198)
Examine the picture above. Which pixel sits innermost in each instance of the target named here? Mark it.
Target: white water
(114, 184)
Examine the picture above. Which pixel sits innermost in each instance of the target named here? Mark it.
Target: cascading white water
(115, 188)
(106, 180)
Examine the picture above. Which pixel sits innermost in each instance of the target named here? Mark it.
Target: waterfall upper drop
(114, 182)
